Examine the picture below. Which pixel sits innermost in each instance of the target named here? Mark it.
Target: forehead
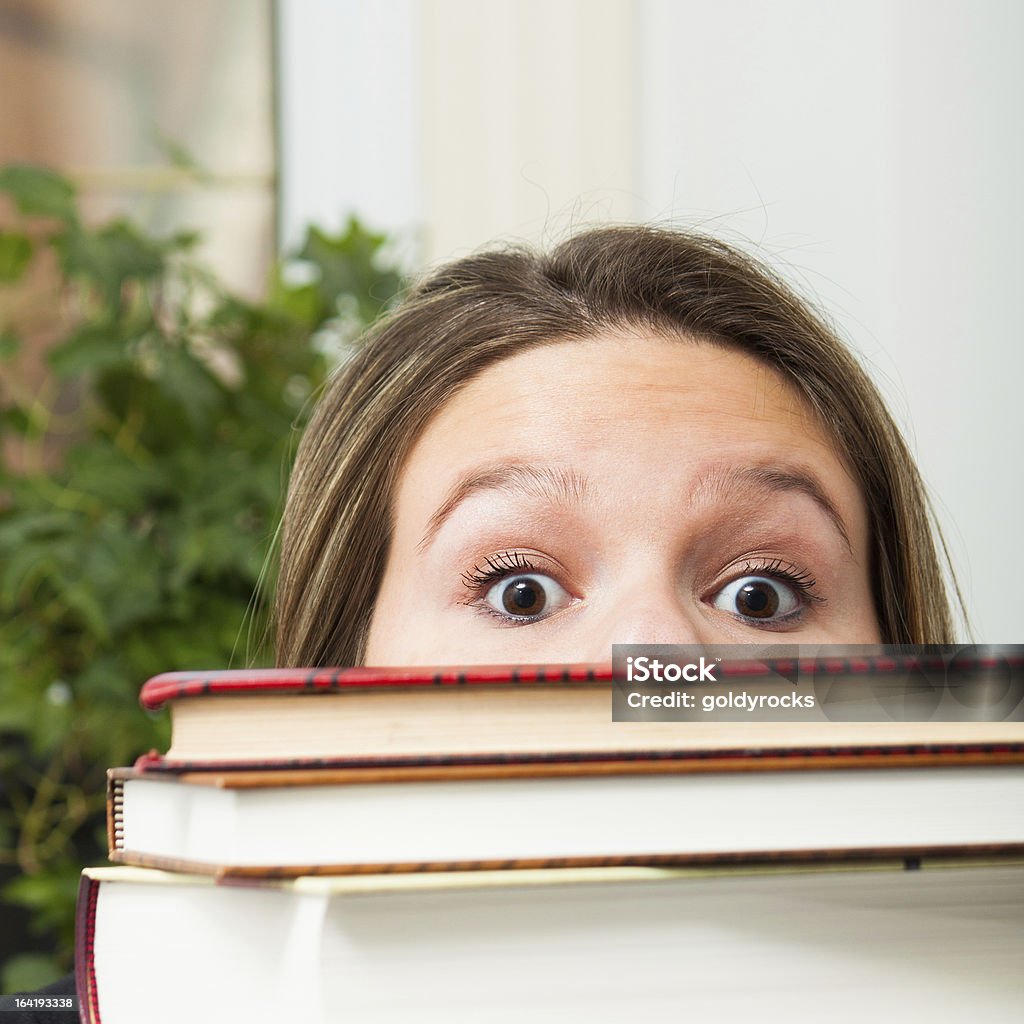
(643, 429)
(610, 392)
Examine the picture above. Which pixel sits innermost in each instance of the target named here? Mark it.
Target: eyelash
(799, 579)
(514, 563)
(509, 563)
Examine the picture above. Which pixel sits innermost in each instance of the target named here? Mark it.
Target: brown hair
(477, 311)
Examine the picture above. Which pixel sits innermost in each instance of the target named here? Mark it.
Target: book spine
(115, 813)
(85, 940)
(171, 686)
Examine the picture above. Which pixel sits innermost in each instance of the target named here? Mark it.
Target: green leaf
(185, 240)
(83, 608)
(28, 972)
(38, 191)
(347, 265)
(50, 893)
(15, 253)
(109, 257)
(121, 483)
(22, 572)
(122, 596)
(301, 302)
(49, 731)
(105, 681)
(29, 890)
(17, 717)
(93, 347)
(185, 380)
(181, 158)
(10, 345)
(30, 525)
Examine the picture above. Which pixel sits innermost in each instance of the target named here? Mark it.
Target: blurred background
(236, 186)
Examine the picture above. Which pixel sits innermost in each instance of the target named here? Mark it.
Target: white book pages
(597, 947)
(574, 816)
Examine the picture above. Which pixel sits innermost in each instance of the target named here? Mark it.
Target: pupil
(758, 600)
(523, 597)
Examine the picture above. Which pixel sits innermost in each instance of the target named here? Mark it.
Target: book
(535, 714)
(330, 821)
(942, 943)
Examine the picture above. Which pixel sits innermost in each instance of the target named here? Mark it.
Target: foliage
(143, 551)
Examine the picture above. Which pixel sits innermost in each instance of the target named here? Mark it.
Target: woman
(644, 436)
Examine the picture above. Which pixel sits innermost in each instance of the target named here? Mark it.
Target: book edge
(556, 763)
(170, 686)
(906, 856)
(85, 936)
(356, 885)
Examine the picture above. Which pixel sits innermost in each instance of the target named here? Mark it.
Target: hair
(479, 310)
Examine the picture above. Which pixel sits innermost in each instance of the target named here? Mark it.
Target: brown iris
(523, 597)
(758, 600)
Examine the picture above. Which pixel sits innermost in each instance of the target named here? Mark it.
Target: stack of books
(488, 845)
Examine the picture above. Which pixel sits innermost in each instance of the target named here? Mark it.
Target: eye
(526, 597)
(758, 597)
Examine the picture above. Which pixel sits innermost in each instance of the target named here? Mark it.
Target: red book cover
(170, 686)
(85, 969)
(579, 746)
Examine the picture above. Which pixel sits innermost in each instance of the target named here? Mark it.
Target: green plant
(172, 407)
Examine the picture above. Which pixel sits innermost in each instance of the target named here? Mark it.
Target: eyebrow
(771, 479)
(561, 486)
(558, 485)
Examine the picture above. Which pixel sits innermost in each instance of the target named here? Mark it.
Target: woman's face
(623, 489)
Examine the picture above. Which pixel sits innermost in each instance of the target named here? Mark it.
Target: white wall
(871, 150)
(874, 149)
(348, 112)
(528, 118)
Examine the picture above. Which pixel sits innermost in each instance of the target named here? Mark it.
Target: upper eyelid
(518, 561)
(766, 563)
(515, 562)
(525, 563)
(780, 569)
